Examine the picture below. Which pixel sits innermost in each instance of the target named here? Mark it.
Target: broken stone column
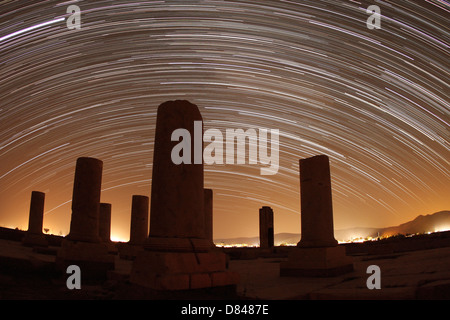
(138, 228)
(34, 236)
(104, 228)
(177, 255)
(139, 220)
(266, 234)
(316, 203)
(317, 253)
(177, 199)
(86, 200)
(208, 208)
(83, 246)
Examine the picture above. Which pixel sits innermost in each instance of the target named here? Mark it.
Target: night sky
(376, 101)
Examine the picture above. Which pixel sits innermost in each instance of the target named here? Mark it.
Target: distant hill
(438, 221)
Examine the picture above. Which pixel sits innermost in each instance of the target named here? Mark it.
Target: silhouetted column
(317, 254)
(84, 225)
(139, 219)
(34, 235)
(105, 222)
(266, 234)
(83, 246)
(208, 209)
(177, 255)
(177, 219)
(316, 203)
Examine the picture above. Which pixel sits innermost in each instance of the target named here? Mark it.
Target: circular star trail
(376, 101)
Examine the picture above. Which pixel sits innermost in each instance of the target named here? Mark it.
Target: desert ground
(410, 268)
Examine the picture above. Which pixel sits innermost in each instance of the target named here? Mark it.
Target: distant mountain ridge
(438, 221)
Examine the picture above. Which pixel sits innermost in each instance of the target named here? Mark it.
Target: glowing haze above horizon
(375, 101)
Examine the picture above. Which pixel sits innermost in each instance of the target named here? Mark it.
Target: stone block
(200, 280)
(203, 269)
(224, 278)
(92, 258)
(317, 262)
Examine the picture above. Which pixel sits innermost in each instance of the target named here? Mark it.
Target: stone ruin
(178, 253)
(83, 246)
(317, 254)
(138, 228)
(34, 235)
(266, 233)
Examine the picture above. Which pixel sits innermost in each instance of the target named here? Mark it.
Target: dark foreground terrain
(411, 268)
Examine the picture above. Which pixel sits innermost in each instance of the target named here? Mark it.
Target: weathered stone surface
(200, 280)
(139, 219)
(177, 196)
(179, 251)
(181, 270)
(317, 254)
(317, 262)
(83, 246)
(92, 258)
(224, 278)
(266, 233)
(84, 224)
(34, 235)
(316, 203)
(105, 222)
(208, 211)
(105, 227)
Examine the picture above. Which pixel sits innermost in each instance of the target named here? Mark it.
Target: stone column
(316, 203)
(104, 228)
(208, 197)
(34, 235)
(177, 254)
(139, 220)
(266, 234)
(177, 220)
(317, 253)
(84, 225)
(83, 246)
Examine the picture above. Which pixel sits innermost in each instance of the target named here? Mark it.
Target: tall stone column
(104, 228)
(177, 220)
(317, 253)
(208, 207)
(139, 220)
(177, 255)
(316, 203)
(34, 235)
(83, 246)
(266, 233)
(86, 200)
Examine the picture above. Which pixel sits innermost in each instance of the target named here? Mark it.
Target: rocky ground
(405, 274)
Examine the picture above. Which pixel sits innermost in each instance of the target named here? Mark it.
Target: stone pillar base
(172, 244)
(34, 240)
(317, 262)
(92, 258)
(111, 247)
(128, 251)
(170, 271)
